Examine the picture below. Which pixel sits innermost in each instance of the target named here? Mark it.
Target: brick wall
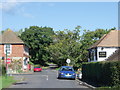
(2, 49)
(17, 51)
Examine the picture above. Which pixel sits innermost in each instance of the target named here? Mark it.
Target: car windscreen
(67, 69)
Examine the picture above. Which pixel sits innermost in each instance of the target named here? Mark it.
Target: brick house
(15, 47)
(107, 48)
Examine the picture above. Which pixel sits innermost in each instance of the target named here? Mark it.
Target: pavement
(85, 84)
(18, 77)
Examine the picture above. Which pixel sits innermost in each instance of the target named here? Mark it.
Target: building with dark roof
(105, 47)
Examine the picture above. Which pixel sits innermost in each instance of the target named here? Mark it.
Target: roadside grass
(49, 63)
(0, 82)
(110, 88)
(36, 65)
(57, 69)
(5, 82)
(45, 67)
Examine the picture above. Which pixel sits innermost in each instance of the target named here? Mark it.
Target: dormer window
(8, 49)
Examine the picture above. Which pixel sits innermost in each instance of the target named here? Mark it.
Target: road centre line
(45, 76)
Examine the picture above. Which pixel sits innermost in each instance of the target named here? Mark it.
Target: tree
(37, 38)
(49, 46)
(65, 45)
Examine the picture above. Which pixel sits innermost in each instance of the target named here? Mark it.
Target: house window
(3, 58)
(102, 54)
(25, 61)
(92, 56)
(8, 49)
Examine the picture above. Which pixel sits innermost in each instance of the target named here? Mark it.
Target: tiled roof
(112, 39)
(9, 37)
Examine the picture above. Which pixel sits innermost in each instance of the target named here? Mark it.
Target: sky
(59, 15)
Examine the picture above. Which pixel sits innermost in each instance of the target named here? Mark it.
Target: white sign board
(68, 60)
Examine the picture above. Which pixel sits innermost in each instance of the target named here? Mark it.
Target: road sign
(8, 61)
(68, 60)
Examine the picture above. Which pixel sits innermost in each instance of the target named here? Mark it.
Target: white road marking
(45, 76)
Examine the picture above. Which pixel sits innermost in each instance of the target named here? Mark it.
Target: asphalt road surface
(46, 79)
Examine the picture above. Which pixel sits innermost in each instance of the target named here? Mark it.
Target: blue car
(66, 72)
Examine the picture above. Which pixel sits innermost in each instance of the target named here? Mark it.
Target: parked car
(66, 72)
(37, 69)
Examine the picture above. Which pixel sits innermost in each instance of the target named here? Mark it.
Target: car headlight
(73, 73)
(61, 73)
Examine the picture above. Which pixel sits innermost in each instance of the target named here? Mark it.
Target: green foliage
(3, 69)
(7, 81)
(37, 38)
(31, 63)
(109, 88)
(89, 38)
(36, 65)
(65, 45)
(47, 46)
(106, 73)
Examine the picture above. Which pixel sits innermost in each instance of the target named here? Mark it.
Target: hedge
(105, 73)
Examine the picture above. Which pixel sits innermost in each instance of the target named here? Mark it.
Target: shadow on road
(19, 83)
(65, 79)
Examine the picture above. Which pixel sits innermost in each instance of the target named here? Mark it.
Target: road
(46, 79)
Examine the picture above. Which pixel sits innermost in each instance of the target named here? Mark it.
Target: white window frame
(5, 49)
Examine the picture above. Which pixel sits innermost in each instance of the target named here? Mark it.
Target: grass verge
(57, 68)
(110, 88)
(5, 82)
(45, 67)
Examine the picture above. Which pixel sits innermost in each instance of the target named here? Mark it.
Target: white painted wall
(109, 52)
(16, 58)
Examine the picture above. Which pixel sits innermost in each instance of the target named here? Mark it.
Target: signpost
(68, 61)
(6, 64)
(8, 61)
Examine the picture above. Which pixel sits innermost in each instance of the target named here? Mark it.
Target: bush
(36, 65)
(109, 88)
(106, 73)
(3, 69)
(31, 63)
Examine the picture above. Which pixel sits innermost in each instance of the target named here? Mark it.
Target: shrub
(31, 63)
(106, 73)
(3, 69)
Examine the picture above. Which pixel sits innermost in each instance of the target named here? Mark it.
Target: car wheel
(73, 78)
(58, 77)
